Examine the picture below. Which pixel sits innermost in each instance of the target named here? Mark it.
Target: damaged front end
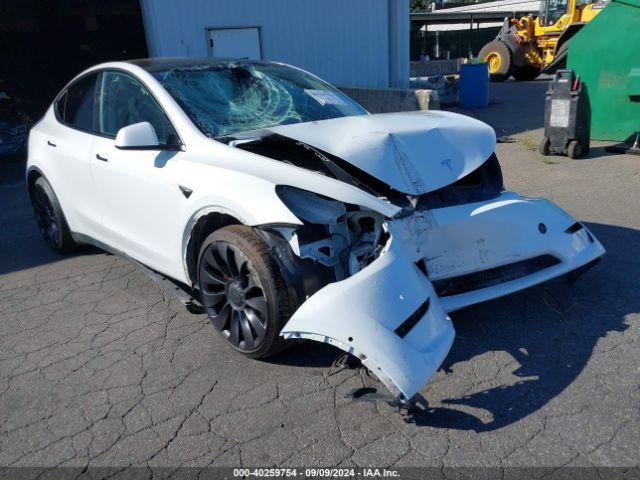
(380, 286)
(359, 288)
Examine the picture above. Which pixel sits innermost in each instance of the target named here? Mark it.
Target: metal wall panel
(343, 41)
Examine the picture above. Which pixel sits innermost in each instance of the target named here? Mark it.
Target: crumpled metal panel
(361, 313)
(413, 152)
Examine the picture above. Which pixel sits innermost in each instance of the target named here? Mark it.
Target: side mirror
(139, 136)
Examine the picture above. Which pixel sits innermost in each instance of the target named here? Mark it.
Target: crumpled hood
(413, 152)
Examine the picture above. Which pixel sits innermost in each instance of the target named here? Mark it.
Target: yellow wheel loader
(527, 46)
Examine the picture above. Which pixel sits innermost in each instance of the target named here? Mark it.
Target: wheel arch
(200, 225)
(33, 174)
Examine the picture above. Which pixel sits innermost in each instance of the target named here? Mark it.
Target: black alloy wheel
(45, 216)
(49, 217)
(233, 296)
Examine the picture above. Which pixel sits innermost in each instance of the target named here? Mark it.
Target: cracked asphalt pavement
(100, 367)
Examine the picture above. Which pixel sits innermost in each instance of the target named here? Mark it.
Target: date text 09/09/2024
(316, 472)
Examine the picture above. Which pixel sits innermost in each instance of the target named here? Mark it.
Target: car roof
(160, 64)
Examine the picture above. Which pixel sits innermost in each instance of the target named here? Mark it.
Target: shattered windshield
(236, 97)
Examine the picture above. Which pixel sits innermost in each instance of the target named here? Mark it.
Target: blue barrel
(474, 85)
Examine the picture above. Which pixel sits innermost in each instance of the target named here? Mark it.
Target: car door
(69, 145)
(140, 199)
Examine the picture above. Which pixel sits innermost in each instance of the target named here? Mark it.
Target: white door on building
(235, 43)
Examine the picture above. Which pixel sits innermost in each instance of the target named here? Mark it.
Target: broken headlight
(338, 235)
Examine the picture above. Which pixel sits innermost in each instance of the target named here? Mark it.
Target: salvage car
(290, 211)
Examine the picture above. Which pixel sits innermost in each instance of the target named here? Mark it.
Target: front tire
(243, 291)
(500, 59)
(51, 221)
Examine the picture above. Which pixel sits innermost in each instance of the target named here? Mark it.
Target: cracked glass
(230, 98)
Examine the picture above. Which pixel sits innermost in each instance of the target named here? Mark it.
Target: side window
(75, 106)
(125, 101)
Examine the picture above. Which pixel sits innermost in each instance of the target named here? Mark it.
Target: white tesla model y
(290, 211)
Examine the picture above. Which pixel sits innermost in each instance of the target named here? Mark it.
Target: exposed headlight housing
(338, 235)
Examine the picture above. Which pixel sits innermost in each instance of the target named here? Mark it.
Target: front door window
(125, 101)
(551, 11)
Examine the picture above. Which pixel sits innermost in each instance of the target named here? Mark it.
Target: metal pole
(470, 33)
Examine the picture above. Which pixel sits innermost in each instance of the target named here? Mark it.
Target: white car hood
(413, 152)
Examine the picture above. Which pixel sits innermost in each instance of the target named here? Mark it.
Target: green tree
(419, 5)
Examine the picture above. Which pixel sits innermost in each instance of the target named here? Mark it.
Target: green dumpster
(606, 55)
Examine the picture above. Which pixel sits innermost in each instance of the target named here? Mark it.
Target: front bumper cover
(389, 315)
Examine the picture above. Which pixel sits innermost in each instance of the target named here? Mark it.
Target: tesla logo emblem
(447, 162)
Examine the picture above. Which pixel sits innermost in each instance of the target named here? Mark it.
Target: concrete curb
(383, 100)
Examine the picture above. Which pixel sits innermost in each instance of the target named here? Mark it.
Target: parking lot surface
(99, 367)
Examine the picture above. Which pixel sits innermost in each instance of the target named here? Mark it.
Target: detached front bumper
(389, 314)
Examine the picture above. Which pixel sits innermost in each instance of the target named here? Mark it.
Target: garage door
(235, 43)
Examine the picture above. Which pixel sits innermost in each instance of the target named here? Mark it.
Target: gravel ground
(99, 367)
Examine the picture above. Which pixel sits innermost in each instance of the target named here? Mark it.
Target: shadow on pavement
(307, 353)
(596, 152)
(550, 331)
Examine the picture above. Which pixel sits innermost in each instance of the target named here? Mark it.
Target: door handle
(101, 158)
(51, 144)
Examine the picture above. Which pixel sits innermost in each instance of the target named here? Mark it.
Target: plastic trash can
(474, 85)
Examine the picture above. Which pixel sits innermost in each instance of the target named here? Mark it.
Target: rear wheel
(574, 150)
(500, 59)
(51, 222)
(243, 291)
(525, 73)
